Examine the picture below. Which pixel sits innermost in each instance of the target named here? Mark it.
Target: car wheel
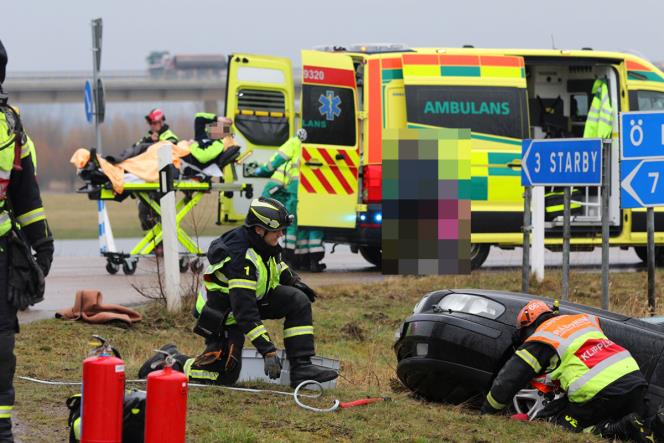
(372, 255)
(478, 254)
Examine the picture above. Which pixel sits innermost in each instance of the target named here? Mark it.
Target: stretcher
(189, 192)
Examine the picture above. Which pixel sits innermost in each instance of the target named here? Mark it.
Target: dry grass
(355, 323)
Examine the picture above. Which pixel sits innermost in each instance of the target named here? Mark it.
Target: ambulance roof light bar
(365, 47)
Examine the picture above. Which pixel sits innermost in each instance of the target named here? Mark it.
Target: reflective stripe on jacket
(589, 360)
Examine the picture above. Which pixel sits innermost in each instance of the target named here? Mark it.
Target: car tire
(372, 255)
(478, 254)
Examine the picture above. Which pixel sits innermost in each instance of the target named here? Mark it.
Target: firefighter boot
(156, 362)
(7, 368)
(302, 369)
(630, 427)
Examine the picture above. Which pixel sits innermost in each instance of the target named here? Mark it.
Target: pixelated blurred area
(426, 201)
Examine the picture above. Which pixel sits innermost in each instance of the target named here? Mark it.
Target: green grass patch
(354, 323)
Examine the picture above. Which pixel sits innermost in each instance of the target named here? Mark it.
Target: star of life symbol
(329, 105)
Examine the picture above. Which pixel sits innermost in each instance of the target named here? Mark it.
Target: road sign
(641, 183)
(642, 134)
(96, 42)
(561, 162)
(87, 101)
(100, 101)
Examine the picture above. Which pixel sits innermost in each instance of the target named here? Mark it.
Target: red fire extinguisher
(166, 405)
(103, 395)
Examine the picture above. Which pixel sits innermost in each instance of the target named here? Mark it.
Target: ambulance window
(261, 116)
(492, 110)
(579, 105)
(328, 115)
(646, 101)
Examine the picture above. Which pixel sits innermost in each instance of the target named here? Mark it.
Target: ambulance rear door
(260, 100)
(327, 194)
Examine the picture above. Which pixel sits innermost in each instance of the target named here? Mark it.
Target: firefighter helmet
(531, 312)
(156, 115)
(269, 214)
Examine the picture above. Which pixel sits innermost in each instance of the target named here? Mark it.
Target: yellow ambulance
(350, 95)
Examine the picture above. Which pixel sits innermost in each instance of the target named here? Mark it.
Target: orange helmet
(531, 312)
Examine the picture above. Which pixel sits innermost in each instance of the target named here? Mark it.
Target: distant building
(161, 64)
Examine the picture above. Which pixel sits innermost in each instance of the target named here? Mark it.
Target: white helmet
(302, 134)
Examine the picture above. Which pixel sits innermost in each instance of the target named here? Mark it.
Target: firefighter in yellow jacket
(604, 385)
(19, 199)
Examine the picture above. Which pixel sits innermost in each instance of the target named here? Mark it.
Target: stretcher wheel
(196, 266)
(112, 268)
(129, 266)
(184, 264)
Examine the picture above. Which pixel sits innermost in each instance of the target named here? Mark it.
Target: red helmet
(531, 312)
(156, 115)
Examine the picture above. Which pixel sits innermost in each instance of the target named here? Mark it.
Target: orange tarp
(145, 166)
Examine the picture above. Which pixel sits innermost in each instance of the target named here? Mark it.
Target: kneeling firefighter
(605, 388)
(246, 282)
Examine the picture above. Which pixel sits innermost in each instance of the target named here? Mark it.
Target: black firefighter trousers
(283, 302)
(8, 328)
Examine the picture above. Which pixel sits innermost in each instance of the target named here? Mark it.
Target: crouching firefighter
(605, 388)
(23, 228)
(246, 282)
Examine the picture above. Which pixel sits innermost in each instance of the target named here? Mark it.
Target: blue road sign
(561, 162)
(641, 183)
(642, 134)
(87, 100)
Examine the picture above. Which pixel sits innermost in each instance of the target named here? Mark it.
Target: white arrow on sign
(524, 162)
(626, 184)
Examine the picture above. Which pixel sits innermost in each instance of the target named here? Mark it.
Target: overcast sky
(54, 35)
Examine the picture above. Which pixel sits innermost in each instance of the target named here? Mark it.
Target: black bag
(26, 278)
(133, 420)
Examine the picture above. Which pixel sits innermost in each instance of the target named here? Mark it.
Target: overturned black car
(456, 341)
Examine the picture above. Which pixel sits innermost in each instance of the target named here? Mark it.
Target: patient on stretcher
(212, 149)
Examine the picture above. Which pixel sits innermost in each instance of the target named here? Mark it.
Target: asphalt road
(77, 265)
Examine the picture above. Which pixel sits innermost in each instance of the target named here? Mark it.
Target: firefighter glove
(272, 365)
(302, 286)
(44, 254)
(25, 277)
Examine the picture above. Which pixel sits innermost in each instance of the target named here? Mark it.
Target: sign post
(561, 163)
(169, 227)
(527, 228)
(641, 167)
(606, 189)
(94, 106)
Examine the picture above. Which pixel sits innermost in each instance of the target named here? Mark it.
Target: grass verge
(355, 323)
